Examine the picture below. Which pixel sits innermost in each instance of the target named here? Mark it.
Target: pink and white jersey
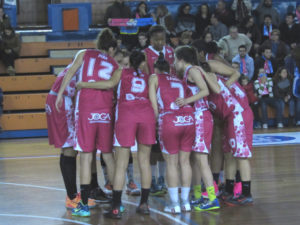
(133, 87)
(96, 66)
(169, 89)
(201, 104)
(152, 56)
(71, 87)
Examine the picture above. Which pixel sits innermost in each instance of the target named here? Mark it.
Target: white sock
(185, 191)
(161, 168)
(154, 170)
(173, 193)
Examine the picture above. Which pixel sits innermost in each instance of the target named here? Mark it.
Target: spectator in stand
(9, 49)
(290, 61)
(279, 48)
(185, 20)
(230, 43)
(202, 19)
(142, 12)
(283, 83)
(252, 98)
(297, 12)
(217, 28)
(267, 27)
(296, 83)
(225, 15)
(246, 63)
(143, 41)
(165, 19)
(4, 21)
(242, 9)
(265, 8)
(266, 61)
(250, 28)
(264, 89)
(290, 31)
(185, 38)
(213, 52)
(207, 37)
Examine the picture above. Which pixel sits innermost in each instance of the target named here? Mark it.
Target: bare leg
(144, 165)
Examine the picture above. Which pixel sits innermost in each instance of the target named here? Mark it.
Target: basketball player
(186, 63)
(93, 111)
(176, 132)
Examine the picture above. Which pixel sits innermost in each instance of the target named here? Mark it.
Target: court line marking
(44, 217)
(126, 202)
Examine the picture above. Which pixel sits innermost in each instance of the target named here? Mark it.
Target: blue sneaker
(199, 201)
(161, 184)
(81, 210)
(122, 208)
(208, 206)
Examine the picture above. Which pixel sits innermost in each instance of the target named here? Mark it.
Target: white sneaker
(265, 126)
(186, 207)
(280, 125)
(174, 209)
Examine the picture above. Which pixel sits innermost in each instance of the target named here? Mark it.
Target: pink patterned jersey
(169, 89)
(70, 89)
(201, 104)
(96, 66)
(152, 56)
(133, 87)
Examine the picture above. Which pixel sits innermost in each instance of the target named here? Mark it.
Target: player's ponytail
(161, 64)
(106, 40)
(135, 59)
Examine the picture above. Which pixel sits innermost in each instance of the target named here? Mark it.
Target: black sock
(94, 181)
(102, 161)
(70, 168)
(216, 177)
(116, 199)
(229, 186)
(85, 193)
(238, 177)
(66, 177)
(246, 188)
(144, 196)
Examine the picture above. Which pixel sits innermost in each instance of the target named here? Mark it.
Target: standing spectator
(278, 47)
(242, 9)
(225, 15)
(267, 27)
(165, 19)
(283, 84)
(217, 28)
(246, 63)
(203, 19)
(264, 89)
(9, 49)
(290, 31)
(266, 61)
(186, 21)
(230, 43)
(265, 8)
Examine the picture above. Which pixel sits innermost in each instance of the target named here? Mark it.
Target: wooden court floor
(32, 191)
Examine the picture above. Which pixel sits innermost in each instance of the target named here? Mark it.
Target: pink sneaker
(237, 189)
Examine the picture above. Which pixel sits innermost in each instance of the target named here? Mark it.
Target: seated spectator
(264, 89)
(217, 28)
(283, 84)
(143, 41)
(266, 61)
(4, 21)
(278, 47)
(174, 40)
(290, 31)
(185, 20)
(165, 19)
(185, 38)
(266, 8)
(230, 43)
(224, 15)
(252, 98)
(266, 28)
(142, 12)
(207, 37)
(246, 63)
(242, 9)
(250, 28)
(203, 19)
(9, 49)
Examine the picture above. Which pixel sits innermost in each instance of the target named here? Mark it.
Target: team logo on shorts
(212, 106)
(48, 109)
(100, 118)
(232, 143)
(183, 120)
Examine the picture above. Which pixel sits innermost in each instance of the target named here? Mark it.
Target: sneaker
(81, 210)
(237, 189)
(72, 204)
(114, 213)
(205, 195)
(122, 208)
(280, 125)
(132, 189)
(265, 126)
(162, 185)
(91, 202)
(11, 71)
(225, 196)
(143, 209)
(198, 201)
(240, 200)
(185, 207)
(99, 195)
(155, 190)
(208, 206)
(108, 188)
(174, 209)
